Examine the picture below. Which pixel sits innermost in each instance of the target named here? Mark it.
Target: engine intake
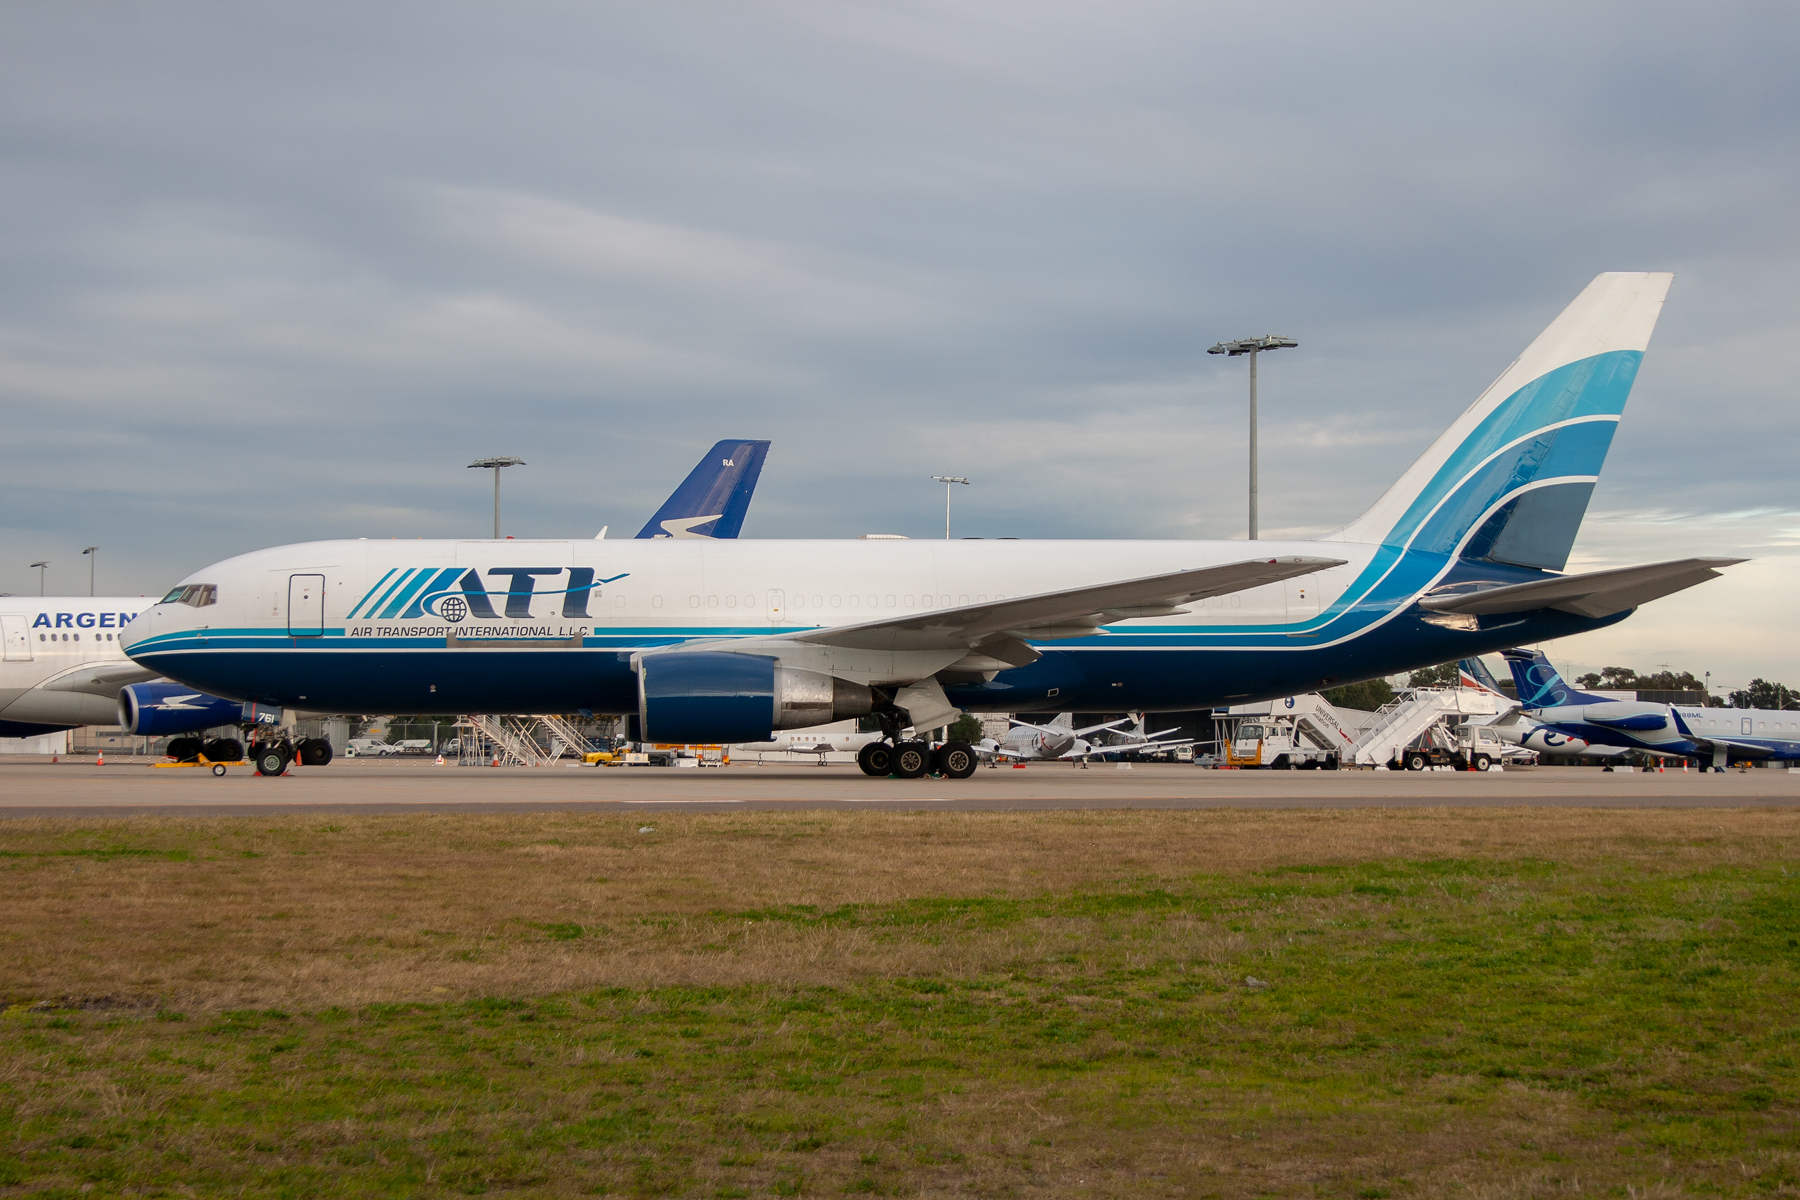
(713, 697)
(159, 709)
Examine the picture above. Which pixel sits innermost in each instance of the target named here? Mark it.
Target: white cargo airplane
(719, 641)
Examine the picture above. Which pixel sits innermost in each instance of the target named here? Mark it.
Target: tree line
(1761, 693)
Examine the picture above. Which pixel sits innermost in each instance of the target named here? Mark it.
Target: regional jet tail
(1719, 736)
(719, 641)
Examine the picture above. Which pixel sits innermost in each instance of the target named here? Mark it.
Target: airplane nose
(135, 631)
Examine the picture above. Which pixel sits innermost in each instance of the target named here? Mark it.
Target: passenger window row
(51, 637)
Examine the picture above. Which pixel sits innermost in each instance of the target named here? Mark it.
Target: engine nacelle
(709, 697)
(159, 709)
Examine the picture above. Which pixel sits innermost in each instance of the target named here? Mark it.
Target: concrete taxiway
(40, 788)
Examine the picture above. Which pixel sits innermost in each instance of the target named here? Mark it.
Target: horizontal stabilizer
(1077, 612)
(1594, 594)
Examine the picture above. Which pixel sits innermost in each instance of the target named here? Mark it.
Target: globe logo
(453, 608)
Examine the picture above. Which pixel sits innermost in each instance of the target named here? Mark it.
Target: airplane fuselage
(552, 626)
(63, 661)
(1682, 731)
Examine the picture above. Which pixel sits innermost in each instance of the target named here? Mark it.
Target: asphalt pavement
(36, 787)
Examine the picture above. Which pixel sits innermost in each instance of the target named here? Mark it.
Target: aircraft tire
(876, 758)
(271, 759)
(224, 750)
(911, 760)
(314, 752)
(184, 749)
(955, 760)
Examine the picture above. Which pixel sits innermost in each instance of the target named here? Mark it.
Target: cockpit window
(199, 595)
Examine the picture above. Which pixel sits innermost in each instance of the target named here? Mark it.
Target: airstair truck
(1295, 733)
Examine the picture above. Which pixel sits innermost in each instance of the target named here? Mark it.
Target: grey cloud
(273, 273)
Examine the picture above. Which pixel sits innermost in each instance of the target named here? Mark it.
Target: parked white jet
(717, 641)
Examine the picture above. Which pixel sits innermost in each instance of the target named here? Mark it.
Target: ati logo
(456, 593)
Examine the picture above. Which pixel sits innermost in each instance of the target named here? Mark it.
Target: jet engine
(709, 697)
(159, 709)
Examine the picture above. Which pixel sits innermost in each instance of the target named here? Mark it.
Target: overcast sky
(276, 273)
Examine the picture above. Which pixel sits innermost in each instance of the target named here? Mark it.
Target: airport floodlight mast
(93, 556)
(40, 570)
(1253, 347)
(495, 463)
(947, 480)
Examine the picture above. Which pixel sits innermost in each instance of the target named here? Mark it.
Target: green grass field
(1477, 1025)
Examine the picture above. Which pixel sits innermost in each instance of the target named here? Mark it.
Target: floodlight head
(1270, 341)
(950, 479)
(500, 460)
(40, 564)
(90, 549)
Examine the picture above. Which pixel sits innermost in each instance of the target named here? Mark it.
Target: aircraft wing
(1076, 612)
(1746, 747)
(1708, 740)
(1130, 748)
(1039, 728)
(101, 679)
(1594, 594)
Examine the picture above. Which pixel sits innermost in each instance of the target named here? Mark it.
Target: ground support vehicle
(1272, 744)
(1295, 733)
(1463, 747)
(199, 760)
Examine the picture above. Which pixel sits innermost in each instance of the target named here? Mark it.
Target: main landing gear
(912, 759)
(916, 759)
(272, 757)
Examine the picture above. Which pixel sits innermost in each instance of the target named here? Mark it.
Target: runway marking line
(818, 800)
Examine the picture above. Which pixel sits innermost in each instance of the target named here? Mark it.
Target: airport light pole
(93, 556)
(1253, 347)
(494, 464)
(40, 570)
(947, 480)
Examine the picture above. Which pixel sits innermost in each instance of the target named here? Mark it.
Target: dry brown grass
(349, 910)
(1491, 1004)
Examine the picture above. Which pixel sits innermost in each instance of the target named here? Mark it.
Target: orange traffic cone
(496, 761)
(440, 761)
(100, 761)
